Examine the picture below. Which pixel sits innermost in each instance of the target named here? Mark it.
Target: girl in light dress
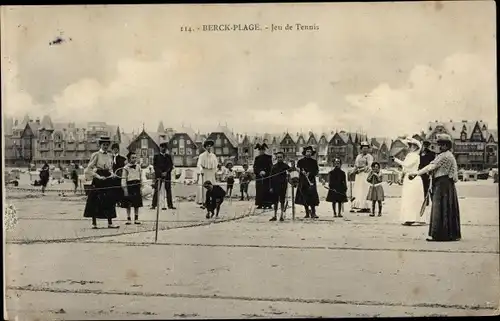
(131, 183)
(375, 191)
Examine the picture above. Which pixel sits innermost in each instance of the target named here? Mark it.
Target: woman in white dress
(411, 198)
(362, 166)
(207, 166)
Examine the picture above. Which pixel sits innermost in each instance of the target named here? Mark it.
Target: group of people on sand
(438, 173)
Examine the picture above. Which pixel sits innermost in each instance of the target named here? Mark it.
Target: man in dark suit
(426, 156)
(119, 162)
(163, 166)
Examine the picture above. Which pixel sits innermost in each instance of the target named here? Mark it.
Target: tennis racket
(424, 204)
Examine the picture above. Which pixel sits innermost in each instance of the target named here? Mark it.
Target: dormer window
(484, 127)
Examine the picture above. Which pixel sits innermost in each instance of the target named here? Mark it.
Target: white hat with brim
(413, 141)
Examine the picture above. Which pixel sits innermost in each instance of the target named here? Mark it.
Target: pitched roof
(158, 138)
(126, 140)
(454, 128)
(394, 150)
(161, 128)
(46, 122)
(187, 130)
(230, 136)
(494, 133)
(200, 138)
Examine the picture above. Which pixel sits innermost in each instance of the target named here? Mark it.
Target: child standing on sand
(376, 191)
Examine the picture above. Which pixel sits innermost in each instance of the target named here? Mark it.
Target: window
(174, 151)
(218, 151)
(218, 141)
(181, 150)
(144, 143)
(174, 142)
(58, 145)
(188, 142)
(225, 150)
(225, 141)
(181, 143)
(151, 152)
(189, 151)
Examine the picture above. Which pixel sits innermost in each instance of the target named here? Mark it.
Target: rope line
(114, 187)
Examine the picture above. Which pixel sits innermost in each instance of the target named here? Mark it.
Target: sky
(382, 68)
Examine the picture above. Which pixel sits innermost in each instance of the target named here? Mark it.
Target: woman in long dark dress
(101, 202)
(262, 168)
(337, 187)
(44, 176)
(307, 191)
(445, 212)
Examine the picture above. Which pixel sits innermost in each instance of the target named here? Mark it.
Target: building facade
(470, 139)
(341, 145)
(38, 141)
(226, 145)
(288, 147)
(184, 148)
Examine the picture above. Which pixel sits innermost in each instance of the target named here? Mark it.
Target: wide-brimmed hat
(261, 146)
(426, 142)
(444, 138)
(364, 144)
(308, 148)
(413, 141)
(104, 139)
(208, 143)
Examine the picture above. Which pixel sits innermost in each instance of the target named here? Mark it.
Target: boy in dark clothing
(214, 198)
(279, 185)
(245, 179)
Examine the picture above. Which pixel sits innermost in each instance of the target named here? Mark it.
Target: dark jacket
(426, 157)
(163, 164)
(337, 180)
(119, 162)
(217, 193)
(279, 175)
(263, 163)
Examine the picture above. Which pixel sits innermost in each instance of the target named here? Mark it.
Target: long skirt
(134, 198)
(44, 178)
(307, 195)
(262, 191)
(445, 212)
(336, 195)
(411, 201)
(360, 191)
(101, 201)
(118, 190)
(208, 175)
(375, 193)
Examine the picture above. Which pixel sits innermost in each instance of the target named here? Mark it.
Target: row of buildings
(39, 140)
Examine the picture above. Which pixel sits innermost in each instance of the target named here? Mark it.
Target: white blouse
(99, 160)
(131, 174)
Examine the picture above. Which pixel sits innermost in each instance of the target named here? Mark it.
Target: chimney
(15, 122)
